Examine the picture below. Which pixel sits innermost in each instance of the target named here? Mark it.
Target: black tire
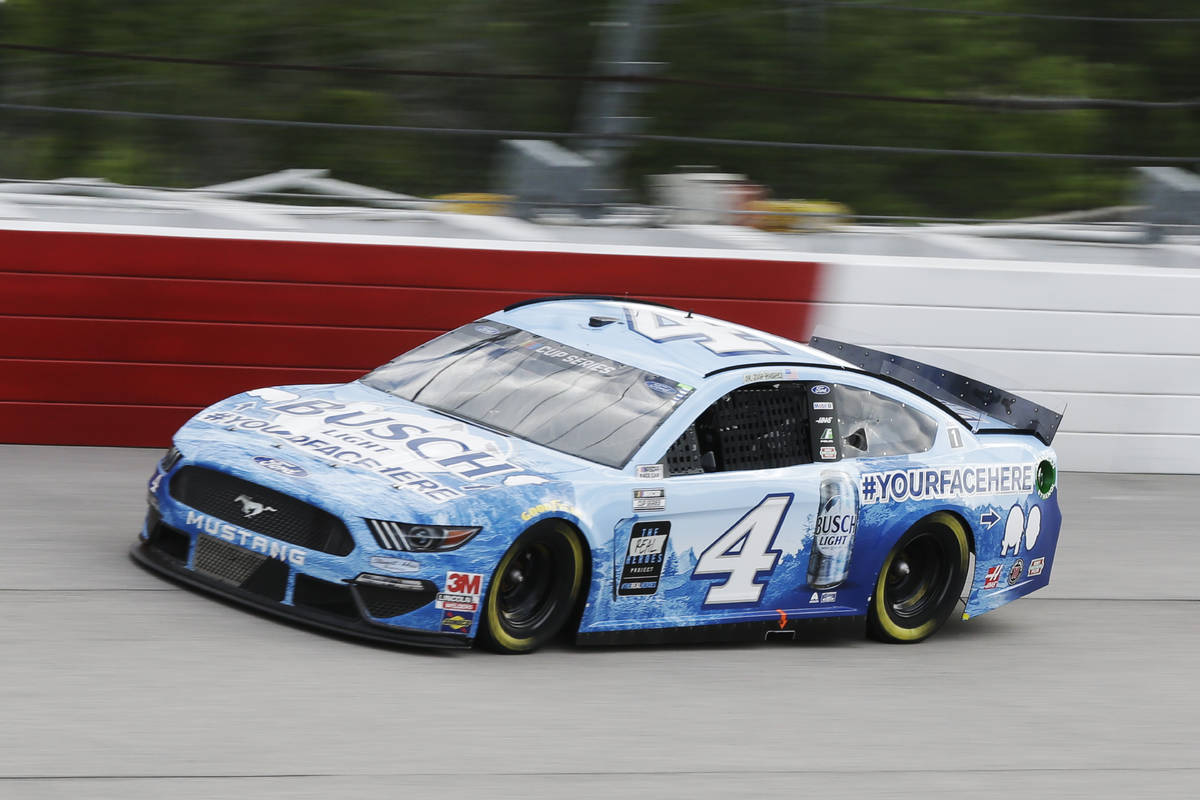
(534, 590)
(920, 581)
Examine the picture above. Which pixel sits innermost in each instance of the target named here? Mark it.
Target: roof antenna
(689, 314)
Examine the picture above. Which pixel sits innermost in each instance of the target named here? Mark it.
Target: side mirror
(857, 440)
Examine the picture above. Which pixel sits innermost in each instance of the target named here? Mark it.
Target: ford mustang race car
(620, 470)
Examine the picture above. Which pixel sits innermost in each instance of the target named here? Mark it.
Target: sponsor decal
(820, 388)
(155, 482)
(828, 453)
(659, 387)
(644, 559)
(247, 539)
(402, 448)
(992, 579)
(462, 593)
(396, 565)
(900, 485)
(651, 472)
(1036, 566)
(827, 435)
(251, 507)
(280, 466)
(782, 374)
(824, 420)
(1014, 572)
(822, 405)
(1021, 526)
(649, 499)
(457, 621)
(828, 597)
(816, 598)
(547, 507)
(572, 358)
(487, 330)
(955, 437)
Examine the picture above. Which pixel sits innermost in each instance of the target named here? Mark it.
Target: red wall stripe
(115, 339)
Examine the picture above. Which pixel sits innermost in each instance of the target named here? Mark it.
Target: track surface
(115, 684)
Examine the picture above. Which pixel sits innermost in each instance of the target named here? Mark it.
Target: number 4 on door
(743, 552)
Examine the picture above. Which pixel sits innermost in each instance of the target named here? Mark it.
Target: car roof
(671, 342)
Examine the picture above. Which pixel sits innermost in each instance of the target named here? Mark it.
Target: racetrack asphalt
(117, 684)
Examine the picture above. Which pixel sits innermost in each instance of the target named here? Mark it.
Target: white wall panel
(1119, 345)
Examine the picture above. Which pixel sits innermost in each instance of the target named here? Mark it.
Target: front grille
(383, 602)
(261, 510)
(235, 565)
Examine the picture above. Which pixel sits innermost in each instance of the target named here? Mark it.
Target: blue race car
(618, 469)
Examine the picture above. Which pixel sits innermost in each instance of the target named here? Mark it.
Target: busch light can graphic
(833, 538)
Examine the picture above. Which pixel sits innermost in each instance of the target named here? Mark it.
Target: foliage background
(853, 47)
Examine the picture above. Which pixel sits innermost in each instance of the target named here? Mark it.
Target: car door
(726, 536)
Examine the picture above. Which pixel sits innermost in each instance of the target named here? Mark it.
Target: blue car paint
(359, 453)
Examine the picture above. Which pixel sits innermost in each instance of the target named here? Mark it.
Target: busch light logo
(833, 534)
(280, 466)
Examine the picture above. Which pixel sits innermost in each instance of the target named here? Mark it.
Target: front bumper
(278, 588)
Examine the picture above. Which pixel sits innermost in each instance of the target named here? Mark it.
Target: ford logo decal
(820, 388)
(280, 466)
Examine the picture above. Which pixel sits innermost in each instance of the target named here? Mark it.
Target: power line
(1011, 14)
(985, 102)
(563, 135)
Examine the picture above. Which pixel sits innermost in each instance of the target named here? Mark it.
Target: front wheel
(534, 590)
(920, 581)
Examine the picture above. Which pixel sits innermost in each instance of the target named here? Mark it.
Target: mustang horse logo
(250, 507)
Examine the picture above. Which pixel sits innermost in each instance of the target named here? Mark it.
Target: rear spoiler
(982, 408)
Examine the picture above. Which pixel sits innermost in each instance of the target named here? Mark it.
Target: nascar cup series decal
(403, 448)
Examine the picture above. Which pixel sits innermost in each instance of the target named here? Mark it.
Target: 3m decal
(649, 499)
(644, 559)
(462, 593)
(651, 472)
(898, 486)
(992, 579)
(1036, 566)
(744, 553)
(668, 325)
(1018, 524)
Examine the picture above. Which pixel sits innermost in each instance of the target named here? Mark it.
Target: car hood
(355, 450)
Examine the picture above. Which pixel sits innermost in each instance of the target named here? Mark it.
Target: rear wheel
(534, 590)
(920, 581)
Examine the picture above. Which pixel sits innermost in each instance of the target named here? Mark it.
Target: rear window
(874, 425)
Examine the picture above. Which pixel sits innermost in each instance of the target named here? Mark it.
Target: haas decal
(1018, 524)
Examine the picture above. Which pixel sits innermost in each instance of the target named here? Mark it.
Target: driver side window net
(874, 425)
(761, 426)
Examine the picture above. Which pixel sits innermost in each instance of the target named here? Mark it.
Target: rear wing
(981, 407)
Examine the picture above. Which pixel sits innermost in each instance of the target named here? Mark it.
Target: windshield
(535, 388)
